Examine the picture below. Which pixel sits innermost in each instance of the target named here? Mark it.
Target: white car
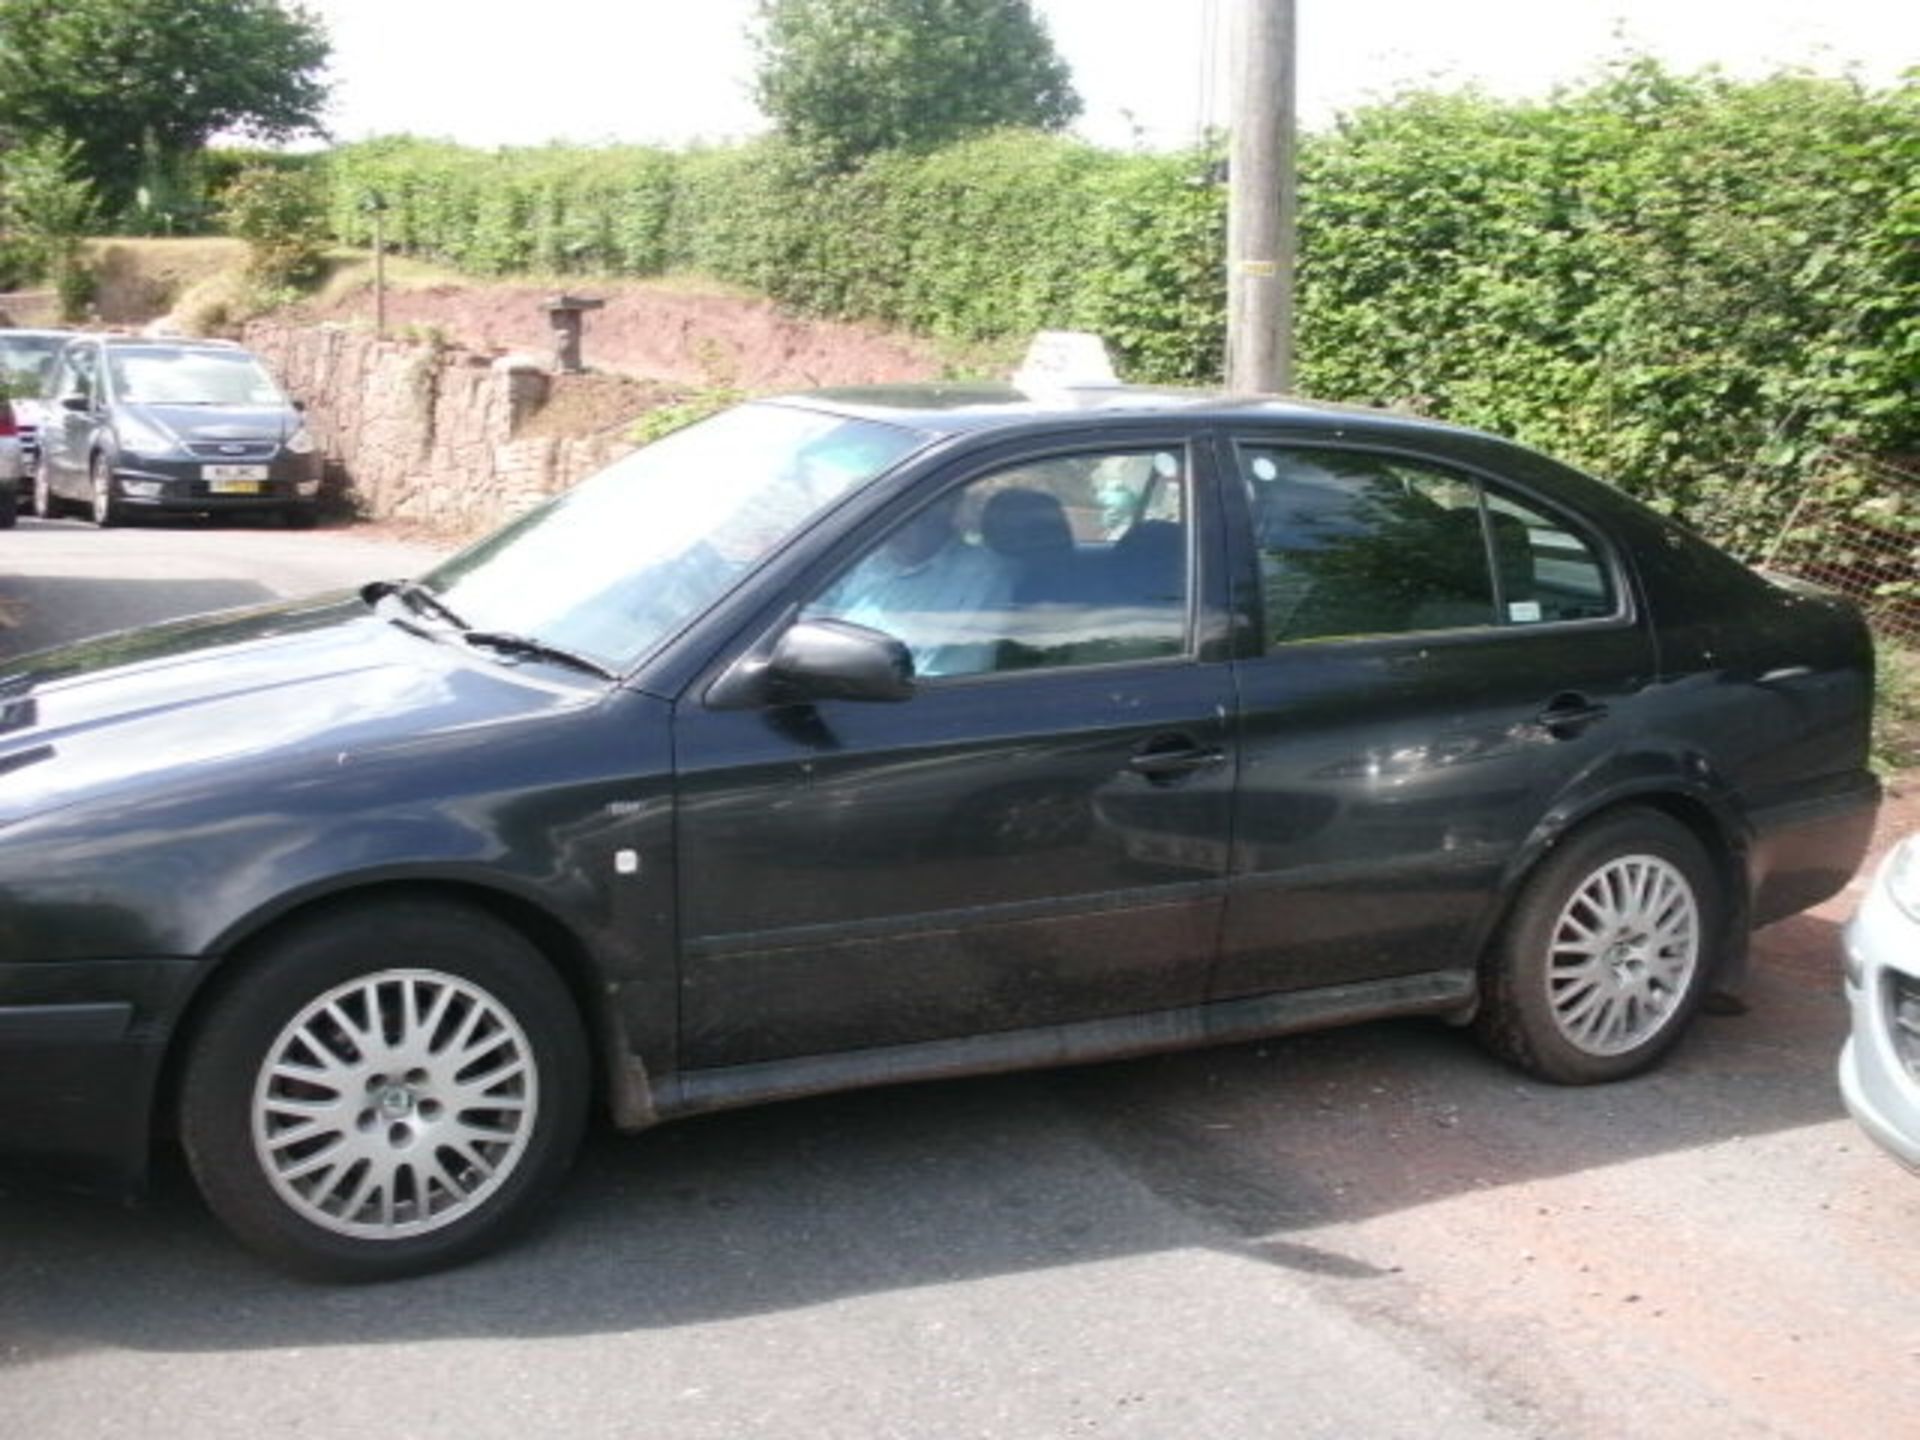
(1880, 1066)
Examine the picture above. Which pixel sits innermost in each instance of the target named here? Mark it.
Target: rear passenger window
(1352, 544)
(1071, 560)
(1547, 572)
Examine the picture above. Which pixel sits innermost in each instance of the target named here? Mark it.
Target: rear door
(1037, 837)
(1439, 654)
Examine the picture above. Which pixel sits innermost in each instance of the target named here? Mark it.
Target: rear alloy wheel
(1607, 952)
(106, 506)
(390, 1091)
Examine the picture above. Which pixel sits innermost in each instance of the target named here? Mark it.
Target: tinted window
(1354, 544)
(1546, 571)
(1073, 560)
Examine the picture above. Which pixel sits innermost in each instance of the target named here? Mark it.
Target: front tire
(1607, 951)
(385, 1091)
(106, 506)
(45, 503)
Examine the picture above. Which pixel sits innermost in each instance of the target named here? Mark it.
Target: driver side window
(1068, 561)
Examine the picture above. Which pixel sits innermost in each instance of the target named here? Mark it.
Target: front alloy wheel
(384, 1090)
(395, 1104)
(106, 506)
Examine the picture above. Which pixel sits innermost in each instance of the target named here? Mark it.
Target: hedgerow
(1707, 290)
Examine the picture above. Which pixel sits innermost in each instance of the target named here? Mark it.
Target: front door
(1037, 837)
(66, 434)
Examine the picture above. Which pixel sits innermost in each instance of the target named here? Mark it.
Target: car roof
(28, 332)
(951, 409)
(167, 342)
(119, 340)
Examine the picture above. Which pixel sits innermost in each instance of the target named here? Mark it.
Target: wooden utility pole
(1261, 207)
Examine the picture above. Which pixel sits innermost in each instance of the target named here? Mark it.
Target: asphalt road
(1372, 1232)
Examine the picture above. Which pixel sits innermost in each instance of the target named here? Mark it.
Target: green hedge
(1706, 290)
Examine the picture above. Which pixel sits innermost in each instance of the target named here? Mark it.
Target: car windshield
(191, 377)
(25, 361)
(625, 559)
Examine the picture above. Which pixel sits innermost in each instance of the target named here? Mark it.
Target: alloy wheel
(394, 1105)
(1623, 954)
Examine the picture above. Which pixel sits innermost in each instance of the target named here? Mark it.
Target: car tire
(1606, 953)
(299, 517)
(322, 1099)
(9, 503)
(106, 509)
(45, 503)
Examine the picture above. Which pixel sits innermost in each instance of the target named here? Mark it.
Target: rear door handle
(1566, 715)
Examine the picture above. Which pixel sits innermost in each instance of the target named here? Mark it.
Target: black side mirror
(300, 406)
(836, 660)
(818, 660)
(78, 404)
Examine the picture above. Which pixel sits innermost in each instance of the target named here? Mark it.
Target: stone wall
(428, 434)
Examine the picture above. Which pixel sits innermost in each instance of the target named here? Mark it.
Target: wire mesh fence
(1865, 545)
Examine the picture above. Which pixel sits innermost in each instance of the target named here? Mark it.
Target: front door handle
(1166, 757)
(1567, 714)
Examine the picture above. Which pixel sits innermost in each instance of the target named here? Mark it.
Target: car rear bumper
(81, 1049)
(1880, 1064)
(1806, 851)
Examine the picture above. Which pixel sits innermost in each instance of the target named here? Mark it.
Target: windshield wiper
(539, 649)
(415, 596)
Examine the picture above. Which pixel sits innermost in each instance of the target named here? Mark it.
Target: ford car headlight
(301, 442)
(139, 438)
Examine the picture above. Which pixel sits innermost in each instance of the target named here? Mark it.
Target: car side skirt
(1441, 992)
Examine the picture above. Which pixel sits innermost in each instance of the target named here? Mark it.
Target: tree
(47, 210)
(142, 85)
(846, 78)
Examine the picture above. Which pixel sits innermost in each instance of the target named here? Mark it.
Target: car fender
(1656, 774)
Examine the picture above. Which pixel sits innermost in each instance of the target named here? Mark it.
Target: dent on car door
(1440, 656)
(1037, 836)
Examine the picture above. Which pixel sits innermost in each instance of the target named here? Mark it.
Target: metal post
(1261, 207)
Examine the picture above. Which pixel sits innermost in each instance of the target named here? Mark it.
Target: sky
(673, 71)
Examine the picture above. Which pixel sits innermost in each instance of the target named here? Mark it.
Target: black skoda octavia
(872, 735)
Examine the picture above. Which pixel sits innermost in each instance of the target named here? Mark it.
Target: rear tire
(385, 1091)
(1606, 954)
(9, 503)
